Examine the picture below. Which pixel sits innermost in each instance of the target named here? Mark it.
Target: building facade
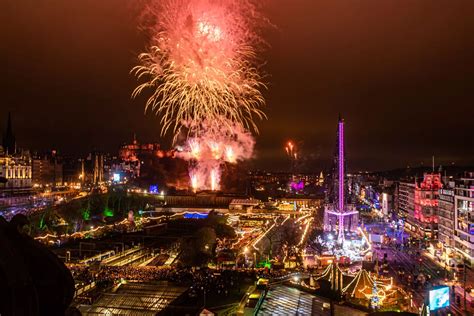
(417, 204)
(15, 166)
(464, 217)
(16, 174)
(406, 203)
(387, 202)
(47, 171)
(426, 206)
(446, 215)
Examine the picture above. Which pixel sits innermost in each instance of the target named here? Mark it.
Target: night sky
(401, 72)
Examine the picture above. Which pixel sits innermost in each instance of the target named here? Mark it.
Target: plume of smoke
(209, 150)
(203, 72)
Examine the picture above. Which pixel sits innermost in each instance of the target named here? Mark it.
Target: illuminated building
(387, 203)
(47, 170)
(73, 170)
(15, 166)
(243, 204)
(297, 203)
(338, 213)
(94, 169)
(406, 201)
(15, 172)
(131, 152)
(446, 215)
(284, 184)
(82, 175)
(464, 217)
(418, 205)
(98, 171)
(262, 178)
(136, 156)
(426, 205)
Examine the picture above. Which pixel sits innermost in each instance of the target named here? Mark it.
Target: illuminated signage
(116, 177)
(153, 189)
(439, 298)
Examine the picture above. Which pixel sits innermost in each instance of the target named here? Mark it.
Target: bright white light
(212, 32)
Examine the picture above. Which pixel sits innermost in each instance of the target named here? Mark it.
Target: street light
(204, 292)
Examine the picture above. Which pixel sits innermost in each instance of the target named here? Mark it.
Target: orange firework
(202, 64)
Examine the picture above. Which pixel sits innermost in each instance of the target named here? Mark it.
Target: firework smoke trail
(202, 64)
(208, 151)
(291, 151)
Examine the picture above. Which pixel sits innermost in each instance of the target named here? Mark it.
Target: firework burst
(211, 149)
(202, 64)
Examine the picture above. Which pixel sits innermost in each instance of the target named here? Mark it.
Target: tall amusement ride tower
(338, 215)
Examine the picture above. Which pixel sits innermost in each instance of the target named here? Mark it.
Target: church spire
(9, 143)
(9, 124)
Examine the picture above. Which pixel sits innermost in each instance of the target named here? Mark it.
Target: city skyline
(237, 157)
(389, 83)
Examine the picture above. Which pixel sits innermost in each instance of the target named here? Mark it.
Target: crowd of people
(199, 277)
(134, 273)
(81, 273)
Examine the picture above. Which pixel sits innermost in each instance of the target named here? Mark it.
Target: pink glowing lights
(340, 211)
(204, 74)
(341, 180)
(202, 63)
(341, 166)
(208, 151)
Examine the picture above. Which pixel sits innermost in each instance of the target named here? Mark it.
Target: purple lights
(341, 165)
(297, 186)
(341, 180)
(338, 216)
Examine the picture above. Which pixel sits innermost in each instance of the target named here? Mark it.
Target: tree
(290, 234)
(205, 239)
(199, 249)
(224, 231)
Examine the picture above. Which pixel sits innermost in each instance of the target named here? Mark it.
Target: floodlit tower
(101, 168)
(321, 178)
(96, 169)
(339, 211)
(83, 174)
(340, 175)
